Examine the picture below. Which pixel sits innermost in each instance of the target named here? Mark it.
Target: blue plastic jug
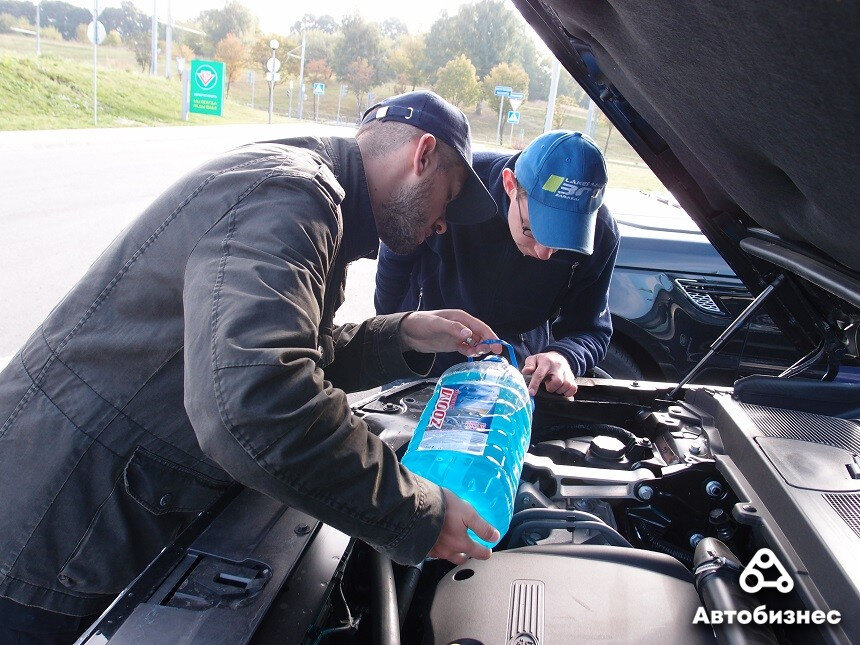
(473, 436)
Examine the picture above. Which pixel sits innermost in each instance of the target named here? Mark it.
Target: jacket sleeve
(255, 395)
(370, 354)
(584, 326)
(393, 274)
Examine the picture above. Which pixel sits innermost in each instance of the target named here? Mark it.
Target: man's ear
(509, 182)
(423, 157)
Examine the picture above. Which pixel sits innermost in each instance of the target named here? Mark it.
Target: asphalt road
(65, 194)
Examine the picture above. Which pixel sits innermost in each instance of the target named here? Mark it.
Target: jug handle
(497, 341)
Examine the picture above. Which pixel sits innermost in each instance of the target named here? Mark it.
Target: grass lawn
(55, 91)
(51, 93)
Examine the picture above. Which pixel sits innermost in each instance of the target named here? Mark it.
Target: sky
(278, 16)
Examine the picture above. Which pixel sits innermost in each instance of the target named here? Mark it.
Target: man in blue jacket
(538, 272)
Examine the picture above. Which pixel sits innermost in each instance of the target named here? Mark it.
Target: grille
(847, 506)
(804, 426)
(525, 616)
(698, 293)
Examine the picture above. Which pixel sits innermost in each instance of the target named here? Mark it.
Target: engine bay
(619, 487)
(636, 518)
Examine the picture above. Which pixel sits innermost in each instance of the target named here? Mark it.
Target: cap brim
(474, 204)
(562, 229)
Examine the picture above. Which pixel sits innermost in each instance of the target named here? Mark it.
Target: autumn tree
(408, 61)
(458, 82)
(360, 40)
(233, 53)
(360, 75)
(508, 75)
(318, 71)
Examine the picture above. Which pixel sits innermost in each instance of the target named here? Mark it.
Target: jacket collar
(360, 239)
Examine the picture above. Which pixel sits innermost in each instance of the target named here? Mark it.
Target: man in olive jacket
(199, 350)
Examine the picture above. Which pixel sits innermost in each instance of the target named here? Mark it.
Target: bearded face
(403, 220)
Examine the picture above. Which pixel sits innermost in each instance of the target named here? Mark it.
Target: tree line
(462, 57)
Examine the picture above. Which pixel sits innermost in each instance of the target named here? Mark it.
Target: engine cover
(568, 594)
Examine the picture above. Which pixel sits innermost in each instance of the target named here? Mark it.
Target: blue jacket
(560, 304)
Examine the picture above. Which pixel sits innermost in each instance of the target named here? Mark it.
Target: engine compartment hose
(406, 590)
(386, 626)
(534, 519)
(664, 546)
(594, 430)
(717, 575)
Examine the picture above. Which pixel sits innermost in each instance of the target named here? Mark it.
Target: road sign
(207, 87)
(516, 95)
(319, 88)
(513, 116)
(503, 90)
(273, 77)
(273, 65)
(96, 28)
(515, 103)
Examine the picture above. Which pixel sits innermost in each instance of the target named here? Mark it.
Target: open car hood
(747, 113)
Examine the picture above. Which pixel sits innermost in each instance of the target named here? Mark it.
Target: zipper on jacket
(420, 299)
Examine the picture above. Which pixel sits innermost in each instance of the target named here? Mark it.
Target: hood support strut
(727, 333)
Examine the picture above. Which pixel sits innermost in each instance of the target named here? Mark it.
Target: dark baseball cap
(564, 175)
(433, 114)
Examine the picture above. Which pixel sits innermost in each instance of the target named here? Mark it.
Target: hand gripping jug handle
(497, 341)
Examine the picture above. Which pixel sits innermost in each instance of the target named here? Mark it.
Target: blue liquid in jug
(473, 436)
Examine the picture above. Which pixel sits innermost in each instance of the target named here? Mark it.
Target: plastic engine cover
(568, 594)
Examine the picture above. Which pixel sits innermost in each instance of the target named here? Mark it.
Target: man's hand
(446, 330)
(551, 369)
(454, 544)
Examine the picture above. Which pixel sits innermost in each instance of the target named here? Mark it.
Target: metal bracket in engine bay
(596, 482)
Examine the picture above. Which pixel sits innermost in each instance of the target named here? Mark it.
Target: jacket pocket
(151, 502)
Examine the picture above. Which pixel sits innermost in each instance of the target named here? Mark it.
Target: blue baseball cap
(433, 114)
(564, 174)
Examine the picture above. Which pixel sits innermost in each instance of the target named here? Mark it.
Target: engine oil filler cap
(608, 448)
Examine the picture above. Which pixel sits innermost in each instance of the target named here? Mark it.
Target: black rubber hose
(557, 518)
(613, 537)
(386, 626)
(717, 575)
(595, 429)
(664, 546)
(406, 590)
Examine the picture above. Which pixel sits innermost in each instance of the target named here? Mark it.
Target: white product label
(461, 419)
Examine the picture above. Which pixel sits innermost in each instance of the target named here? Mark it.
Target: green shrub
(113, 39)
(50, 33)
(7, 21)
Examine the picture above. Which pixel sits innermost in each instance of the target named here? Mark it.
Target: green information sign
(207, 87)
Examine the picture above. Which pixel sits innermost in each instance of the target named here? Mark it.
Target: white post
(501, 105)
(38, 28)
(153, 54)
(302, 79)
(186, 91)
(591, 119)
(168, 43)
(290, 113)
(553, 92)
(96, 63)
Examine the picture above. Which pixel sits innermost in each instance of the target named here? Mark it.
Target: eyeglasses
(526, 230)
